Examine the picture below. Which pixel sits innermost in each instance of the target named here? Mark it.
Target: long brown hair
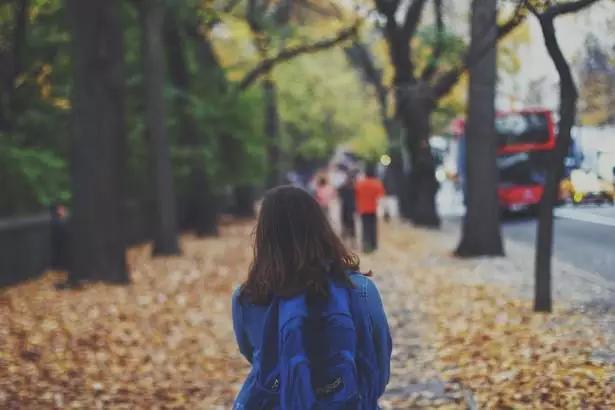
(295, 249)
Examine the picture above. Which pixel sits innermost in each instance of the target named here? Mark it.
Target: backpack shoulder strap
(269, 344)
(295, 382)
(358, 295)
(366, 349)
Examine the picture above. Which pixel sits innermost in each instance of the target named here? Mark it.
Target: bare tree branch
(447, 80)
(568, 7)
(255, 11)
(289, 53)
(413, 16)
(555, 168)
(432, 64)
(533, 9)
(548, 29)
(360, 56)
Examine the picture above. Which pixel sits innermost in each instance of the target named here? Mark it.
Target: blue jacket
(248, 321)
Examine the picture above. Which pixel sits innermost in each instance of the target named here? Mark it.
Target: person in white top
(325, 194)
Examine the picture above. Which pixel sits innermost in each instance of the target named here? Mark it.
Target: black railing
(25, 248)
(26, 243)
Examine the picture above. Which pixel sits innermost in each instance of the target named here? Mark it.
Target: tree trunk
(567, 111)
(204, 201)
(399, 180)
(208, 61)
(11, 64)
(244, 201)
(165, 224)
(481, 225)
(203, 216)
(98, 141)
(400, 169)
(271, 132)
(416, 106)
(360, 57)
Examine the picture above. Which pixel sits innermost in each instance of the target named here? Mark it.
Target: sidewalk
(464, 333)
(480, 343)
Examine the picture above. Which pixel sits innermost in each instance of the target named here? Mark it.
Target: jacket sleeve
(243, 342)
(380, 331)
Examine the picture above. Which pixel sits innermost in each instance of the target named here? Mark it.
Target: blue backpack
(315, 357)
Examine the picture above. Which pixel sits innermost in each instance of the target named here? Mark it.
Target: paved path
(414, 382)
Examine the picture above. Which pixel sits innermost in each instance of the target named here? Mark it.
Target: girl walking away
(312, 327)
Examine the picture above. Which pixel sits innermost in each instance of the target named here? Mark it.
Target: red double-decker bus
(524, 140)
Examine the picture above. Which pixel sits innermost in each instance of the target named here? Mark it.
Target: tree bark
(97, 141)
(11, 64)
(359, 56)
(272, 133)
(256, 11)
(567, 112)
(165, 221)
(202, 206)
(396, 171)
(244, 201)
(481, 225)
(417, 98)
(415, 107)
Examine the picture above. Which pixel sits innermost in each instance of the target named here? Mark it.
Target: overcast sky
(571, 32)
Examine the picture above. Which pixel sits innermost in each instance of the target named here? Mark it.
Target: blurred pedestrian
(389, 202)
(346, 193)
(325, 194)
(461, 168)
(312, 327)
(338, 176)
(368, 191)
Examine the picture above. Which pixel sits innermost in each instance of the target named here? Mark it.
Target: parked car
(585, 187)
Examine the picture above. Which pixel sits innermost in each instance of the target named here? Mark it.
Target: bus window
(522, 129)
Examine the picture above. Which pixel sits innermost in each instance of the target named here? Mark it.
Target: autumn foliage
(166, 340)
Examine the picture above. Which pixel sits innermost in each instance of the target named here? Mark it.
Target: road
(584, 235)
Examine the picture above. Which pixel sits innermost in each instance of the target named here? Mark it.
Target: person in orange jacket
(368, 191)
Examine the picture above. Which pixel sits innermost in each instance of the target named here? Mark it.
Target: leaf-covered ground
(166, 341)
(483, 345)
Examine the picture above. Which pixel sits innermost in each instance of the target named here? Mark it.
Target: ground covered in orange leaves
(166, 340)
